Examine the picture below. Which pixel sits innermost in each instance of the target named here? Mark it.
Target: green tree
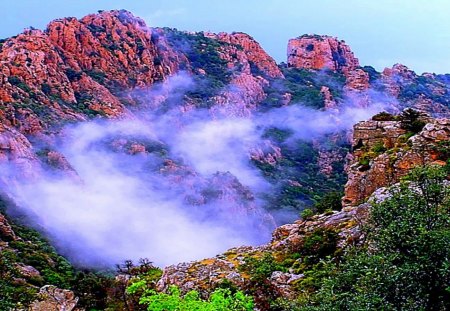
(410, 120)
(405, 264)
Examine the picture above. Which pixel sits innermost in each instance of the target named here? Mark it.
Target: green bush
(307, 213)
(73, 75)
(379, 147)
(259, 271)
(331, 200)
(405, 262)
(410, 120)
(202, 53)
(219, 300)
(318, 244)
(384, 116)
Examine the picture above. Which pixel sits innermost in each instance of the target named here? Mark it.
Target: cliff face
(321, 52)
(255, 55)
(384, 151)
(76, 68)
(426, 92)
(117, 44)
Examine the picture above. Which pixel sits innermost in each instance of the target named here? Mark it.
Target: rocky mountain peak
(321, 52)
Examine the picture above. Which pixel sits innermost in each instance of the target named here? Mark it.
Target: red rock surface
(117, 44)
(386, 168)
(321, 52)
(241, 97)
(391, 76)
(328, 99)
(253, 51)
(78, 67)
(358, 80)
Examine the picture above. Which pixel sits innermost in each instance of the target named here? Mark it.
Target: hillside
(120, 141)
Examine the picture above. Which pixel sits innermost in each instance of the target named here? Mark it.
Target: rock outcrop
(258, 59)
(384, 151)
(321, 52)
(357, 80)
(16, 149)
(427, 92)
(52, 298)
(6, 232)
(76, 68)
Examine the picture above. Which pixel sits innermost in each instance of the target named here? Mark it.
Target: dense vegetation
(203, 55)
(219, 300)
(305, 87)
(18, 288)
(404, 262)
(29, 249)
(300, 184)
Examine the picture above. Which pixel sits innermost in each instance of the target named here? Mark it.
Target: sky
(381, 33)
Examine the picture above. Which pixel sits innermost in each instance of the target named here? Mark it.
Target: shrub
(46, 88)
(379, 147)
(410, 120)
(307, 213)
(331, 200)
(259, 271)
(14, 80)
(219, 300)
(98, 76)
(405, 262)
(318, 244)
(384, 116)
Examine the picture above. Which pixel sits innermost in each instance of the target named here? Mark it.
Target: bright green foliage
(406, 262)
(378, 148)
(307, 213)
(220, 300)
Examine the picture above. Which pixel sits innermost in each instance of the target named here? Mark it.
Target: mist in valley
(170, 186)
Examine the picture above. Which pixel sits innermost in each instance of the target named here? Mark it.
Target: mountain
(115, 134)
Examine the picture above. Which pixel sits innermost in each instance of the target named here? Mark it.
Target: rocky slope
(392, 154)
(111, 65)
(385, 151)
(204, 275)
